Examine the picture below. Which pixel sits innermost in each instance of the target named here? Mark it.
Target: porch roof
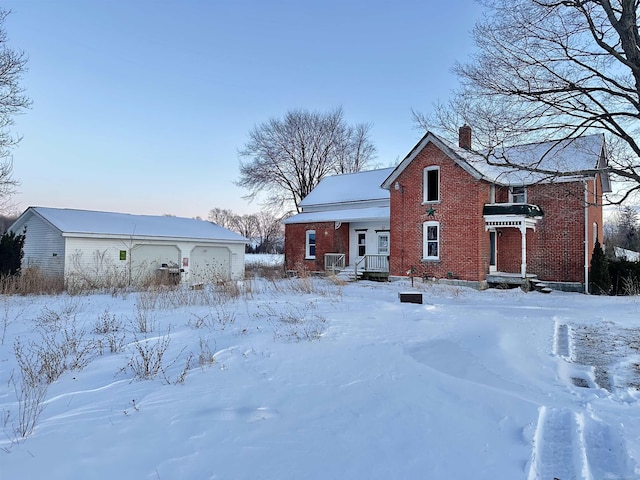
(348, 215)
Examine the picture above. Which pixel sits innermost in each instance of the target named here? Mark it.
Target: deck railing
(334, 261)
(372, 263)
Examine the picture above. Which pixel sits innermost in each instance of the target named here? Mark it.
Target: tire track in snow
(575, 445)
(554, 446)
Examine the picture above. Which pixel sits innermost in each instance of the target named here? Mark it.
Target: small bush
(11, 252)
(147, 360)
(624, 274)
(600, 281)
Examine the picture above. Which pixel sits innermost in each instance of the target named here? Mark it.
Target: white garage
(91, 246)
(146, 259)
(210, 262)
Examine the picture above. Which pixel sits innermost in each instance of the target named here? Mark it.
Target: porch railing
(334, 261)
(372, 263)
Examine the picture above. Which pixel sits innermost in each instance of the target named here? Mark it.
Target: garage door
(145, 259)
(210, 264)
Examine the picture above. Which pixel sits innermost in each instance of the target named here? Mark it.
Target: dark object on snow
(410, 297)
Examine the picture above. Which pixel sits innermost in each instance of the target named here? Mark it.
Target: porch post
(523, 234)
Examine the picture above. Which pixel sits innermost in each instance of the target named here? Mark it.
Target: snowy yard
(306, 378)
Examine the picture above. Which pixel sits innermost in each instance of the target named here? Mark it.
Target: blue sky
(142, 106)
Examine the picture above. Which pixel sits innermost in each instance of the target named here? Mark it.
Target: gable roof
(348, 188)
(88, 223)
(579, 155)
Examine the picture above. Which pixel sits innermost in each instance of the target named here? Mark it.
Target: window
(517, 195)
(362, 244)
(431, 184)
(431, 241)
(383, 243)
(311, 244)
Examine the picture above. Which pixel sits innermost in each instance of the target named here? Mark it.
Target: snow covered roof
(92, 223)
(346, 215)
(570, 155)
(577, 155)
(625, 254)
(349, 187)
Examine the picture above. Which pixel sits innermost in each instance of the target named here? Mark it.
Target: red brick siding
(464, 244)
(328, 240)
(555, 250)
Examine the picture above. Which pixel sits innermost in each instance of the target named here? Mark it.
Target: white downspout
(523, 236)
(586, 238)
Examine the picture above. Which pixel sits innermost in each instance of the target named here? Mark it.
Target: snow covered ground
(309, 378)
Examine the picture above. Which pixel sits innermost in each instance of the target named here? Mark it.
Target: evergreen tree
(11, 252)
(600, 281)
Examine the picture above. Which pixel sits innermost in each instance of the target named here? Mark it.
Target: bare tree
(245, 225)
(223, 217)
(269, 232)
(624, 229)
(12, 102)
(288, 157)
(552, 69)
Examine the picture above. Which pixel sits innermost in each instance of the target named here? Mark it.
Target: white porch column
(523, 234)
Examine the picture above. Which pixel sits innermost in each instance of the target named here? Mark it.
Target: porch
(370, 266)
(522, 217)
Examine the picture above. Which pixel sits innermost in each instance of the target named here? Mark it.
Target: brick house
(445, 213)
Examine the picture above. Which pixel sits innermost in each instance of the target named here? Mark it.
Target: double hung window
(431, 241)
(310, 249)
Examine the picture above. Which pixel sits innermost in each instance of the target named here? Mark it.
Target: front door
(493, 251)
(362, 244)
(383, 243)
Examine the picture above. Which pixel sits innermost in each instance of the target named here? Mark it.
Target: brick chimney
(464, 137)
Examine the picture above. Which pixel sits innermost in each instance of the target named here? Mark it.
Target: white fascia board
(146, 238)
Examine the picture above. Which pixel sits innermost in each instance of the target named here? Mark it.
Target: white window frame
(385, 249)
(425, 185)
(426, 241)
(514, 196)
(307, 243)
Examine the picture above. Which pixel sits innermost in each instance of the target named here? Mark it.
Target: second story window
(431, 184)
(517, 195)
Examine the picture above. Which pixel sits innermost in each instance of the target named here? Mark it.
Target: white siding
(147, 258)
(371, 229)
(43, 247)
(216, 262)
(93, 259)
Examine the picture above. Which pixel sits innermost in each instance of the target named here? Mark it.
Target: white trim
(383, 234)
(512, 196)
(426, 241)
(307, 245)
(425, 184)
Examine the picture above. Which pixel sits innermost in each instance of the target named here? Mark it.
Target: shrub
(624, 276)
(11, 253)
(600, 282)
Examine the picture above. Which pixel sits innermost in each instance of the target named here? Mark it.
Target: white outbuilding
(83, 244)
